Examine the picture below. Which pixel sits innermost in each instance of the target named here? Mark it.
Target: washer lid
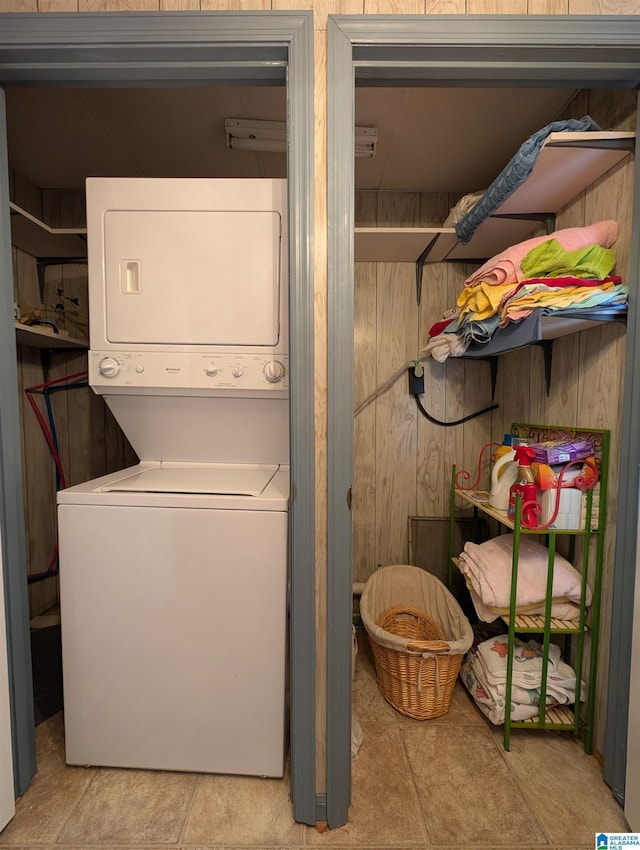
(223, 479)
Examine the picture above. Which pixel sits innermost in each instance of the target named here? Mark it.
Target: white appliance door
(192, 277)
(7, 802)
(173, 637)
(632, 782)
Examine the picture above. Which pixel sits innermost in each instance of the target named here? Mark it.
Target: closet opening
(133, 124)
(399, 456)
(91, 132)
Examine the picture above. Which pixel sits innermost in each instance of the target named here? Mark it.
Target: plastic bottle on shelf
(524, 487)
(503, 476)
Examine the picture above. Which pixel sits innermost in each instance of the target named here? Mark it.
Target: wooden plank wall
(403, 461)
(90, 443)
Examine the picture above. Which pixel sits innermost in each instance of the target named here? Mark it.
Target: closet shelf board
(503, 518)
(550, 327)
(44, 337)
(401, 244)
(38, 239)
(566, 165)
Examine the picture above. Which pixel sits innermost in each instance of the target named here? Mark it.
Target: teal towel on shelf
(551, 260)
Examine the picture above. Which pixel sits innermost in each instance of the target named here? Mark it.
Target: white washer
(173, 573)
(174, 618)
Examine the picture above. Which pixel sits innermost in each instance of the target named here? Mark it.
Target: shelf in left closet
(45, 337)
(37, 238)
(49, 246)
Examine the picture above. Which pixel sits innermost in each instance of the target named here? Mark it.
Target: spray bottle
(525, 488)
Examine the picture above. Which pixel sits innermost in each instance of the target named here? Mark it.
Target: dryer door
(192, 277)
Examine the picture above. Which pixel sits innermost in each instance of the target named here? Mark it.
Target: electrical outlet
(416, 381)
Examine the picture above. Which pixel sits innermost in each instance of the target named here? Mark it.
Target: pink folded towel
(505, 267)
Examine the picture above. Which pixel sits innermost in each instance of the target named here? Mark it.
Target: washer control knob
(109, 367)
(237, 371)
(139, 368)
(274, 371)
(211, 371)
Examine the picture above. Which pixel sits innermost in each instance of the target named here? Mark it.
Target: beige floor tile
(384, 808)
(131, 807)
(242, 811)
(462, 711)
(573, 803)
(55, 790)
(368, 704)
(458, 757)
(467, 794)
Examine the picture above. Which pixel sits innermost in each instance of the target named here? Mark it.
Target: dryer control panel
(182, 373)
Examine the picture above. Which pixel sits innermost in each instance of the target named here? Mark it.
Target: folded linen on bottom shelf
(484, 674)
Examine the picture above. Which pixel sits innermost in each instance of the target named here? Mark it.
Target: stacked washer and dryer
(173, 572)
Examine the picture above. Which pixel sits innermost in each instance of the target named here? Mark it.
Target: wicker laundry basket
(418, 634)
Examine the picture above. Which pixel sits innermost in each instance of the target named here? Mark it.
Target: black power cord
(416, 388)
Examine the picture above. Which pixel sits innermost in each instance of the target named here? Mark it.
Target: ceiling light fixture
(271, 136)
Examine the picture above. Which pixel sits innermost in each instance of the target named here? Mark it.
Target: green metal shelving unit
(581, 718)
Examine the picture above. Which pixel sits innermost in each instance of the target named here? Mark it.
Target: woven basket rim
(409, 609)
(433, 641)
(420, 589)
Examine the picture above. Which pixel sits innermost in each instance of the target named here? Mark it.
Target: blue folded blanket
(515, 173)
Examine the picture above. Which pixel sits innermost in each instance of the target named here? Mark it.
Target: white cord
(388, 384)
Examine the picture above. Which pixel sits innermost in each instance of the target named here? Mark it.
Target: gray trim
(622, 604)
(340, 215)
(301, 364)
(104, 47)
(321, 808)
(11, 515)
(189, 47)
(443, 50)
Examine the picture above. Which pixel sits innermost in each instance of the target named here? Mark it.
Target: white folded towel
(527, 667)
(484, 673)
(487, 568)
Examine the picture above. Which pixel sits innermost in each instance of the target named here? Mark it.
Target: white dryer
(173, 573)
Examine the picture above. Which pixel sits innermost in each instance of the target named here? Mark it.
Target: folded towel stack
(507, 267)
(487, 571)
(571, 271)
(484, 674)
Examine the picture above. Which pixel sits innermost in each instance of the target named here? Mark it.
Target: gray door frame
(167, 49)
(471, 50)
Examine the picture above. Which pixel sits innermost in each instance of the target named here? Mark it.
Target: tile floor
(443, 783)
